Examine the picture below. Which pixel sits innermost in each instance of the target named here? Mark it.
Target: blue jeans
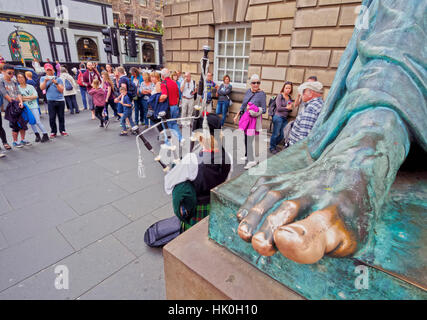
(83, 91)
(279, 123)
(72, 103)
(145, 109)
(222, 108)
(139, 111)
(127, 113)
(174, 124)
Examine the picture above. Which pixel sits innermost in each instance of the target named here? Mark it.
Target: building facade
(143, 13)
(280, 40)
(69, 31)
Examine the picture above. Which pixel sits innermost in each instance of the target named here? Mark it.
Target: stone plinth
(197, 268)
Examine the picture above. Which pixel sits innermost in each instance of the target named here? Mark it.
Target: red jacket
(171, 91)
(88, 79)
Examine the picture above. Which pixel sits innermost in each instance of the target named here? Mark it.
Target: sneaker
(2, 155)
(64, 134)
(244, 158)
(106, 123)
(101, 126)
(25, 143)
(135, 128)
(274, 151)
(53, 135)
(123, 133)
(17, 145)
(250, 165)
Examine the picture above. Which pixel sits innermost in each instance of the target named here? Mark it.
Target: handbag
(162, 232)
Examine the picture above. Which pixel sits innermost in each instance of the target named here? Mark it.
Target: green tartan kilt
(202, 211)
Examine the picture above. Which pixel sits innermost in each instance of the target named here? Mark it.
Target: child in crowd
(98, 95)
(125, 106)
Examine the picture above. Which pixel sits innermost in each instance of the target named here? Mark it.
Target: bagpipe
(168, 145)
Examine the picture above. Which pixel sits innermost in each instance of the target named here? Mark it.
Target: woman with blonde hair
(108, 86)
(145, 90)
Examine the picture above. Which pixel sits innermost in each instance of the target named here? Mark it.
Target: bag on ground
(162, 232)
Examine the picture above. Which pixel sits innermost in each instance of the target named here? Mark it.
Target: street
(77, 201)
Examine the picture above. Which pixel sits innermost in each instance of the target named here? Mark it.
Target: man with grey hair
(311, 94)
(188, 89)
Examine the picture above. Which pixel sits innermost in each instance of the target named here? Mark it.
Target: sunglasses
(258, 82)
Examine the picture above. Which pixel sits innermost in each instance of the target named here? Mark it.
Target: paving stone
(132, 235)
(142, 279)
(3, 242)
(87, 268)
(93, 226)
(91, 197)
(52, 183)
(22, 224)
(143, 202)
(29, 257)
(130, 181)
(4, 205)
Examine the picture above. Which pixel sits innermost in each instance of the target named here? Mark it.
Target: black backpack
(162, 232)
(272, 106)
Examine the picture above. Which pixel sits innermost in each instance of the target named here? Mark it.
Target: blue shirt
(210, 85)
(125, 100)
(52, 94)
(306, 120)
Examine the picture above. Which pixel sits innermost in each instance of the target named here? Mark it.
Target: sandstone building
(277, 39)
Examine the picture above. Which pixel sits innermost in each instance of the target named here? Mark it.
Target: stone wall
(291, 40)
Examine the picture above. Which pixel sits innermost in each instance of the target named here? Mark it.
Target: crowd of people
(136, 99)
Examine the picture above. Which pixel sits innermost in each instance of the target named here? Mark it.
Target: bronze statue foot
(334, 200)
(322, 232)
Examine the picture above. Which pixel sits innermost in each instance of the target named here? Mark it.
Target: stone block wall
(291, 39)
(189, 25)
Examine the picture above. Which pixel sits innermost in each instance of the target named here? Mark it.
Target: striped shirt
(306, 120)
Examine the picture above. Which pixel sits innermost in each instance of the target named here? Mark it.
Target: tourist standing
(88, 77)
(311, 94)
(189, 90)
(257, 97)
(223, 95)
(108, 87)
(126, 105)
(99, 99)
(55, 100)
(280, 116)
(80, 82)
(30, 98)
(13, 111)
(210, 87)
(170, 92)
(70, 91)
(137, 79)
(145, 89)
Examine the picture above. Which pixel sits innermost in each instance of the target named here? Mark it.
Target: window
(159, 23)
(143, 3)
(87, 49)
(144, 22)
(148, 53)
(232, 48)
(116, 18)
(158, 4)
(126, 1)
(128, 19)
